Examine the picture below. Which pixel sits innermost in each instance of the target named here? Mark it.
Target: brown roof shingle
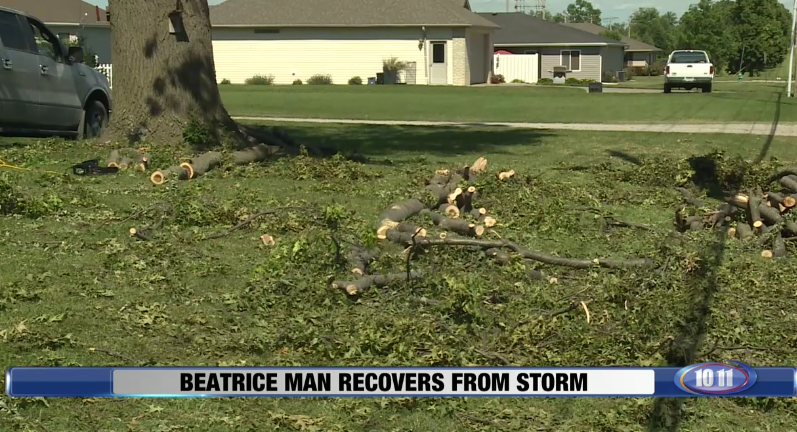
(57, 11)
(335, 13)
(523, 29)
(632, 44)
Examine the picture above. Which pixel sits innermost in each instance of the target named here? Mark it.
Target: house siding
(299, 53)
(612, 60)
(96, 39)
(590, 62)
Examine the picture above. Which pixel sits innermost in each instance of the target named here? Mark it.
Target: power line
(608, 21)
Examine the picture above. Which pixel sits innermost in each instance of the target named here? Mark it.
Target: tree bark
(163, 81)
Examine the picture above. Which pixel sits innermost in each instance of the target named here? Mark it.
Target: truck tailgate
(690, 70)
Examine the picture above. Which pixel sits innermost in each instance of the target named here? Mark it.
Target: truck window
(46, 43)
(688, 57)
(11, 32)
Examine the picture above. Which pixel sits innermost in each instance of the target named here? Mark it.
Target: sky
(620, 10)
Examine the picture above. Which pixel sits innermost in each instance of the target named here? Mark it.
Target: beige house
(442, 41)
(583, 54)
(638, 55)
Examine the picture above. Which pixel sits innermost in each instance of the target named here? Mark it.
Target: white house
(441, 41)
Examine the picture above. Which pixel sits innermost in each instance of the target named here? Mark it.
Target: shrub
(545, 81)
(629, 73)
(572, 81)
(319, 79)
(586, 81)
(393, 64)
(518, 81)
(609, 77)
(225, 81)
(195, 133)
(260, 80)
(297, 81)
(355, 81)
(656, 69)
(497, 79)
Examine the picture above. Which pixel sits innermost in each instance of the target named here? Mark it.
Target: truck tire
(96, 119)
(707, 89)
(667, 88)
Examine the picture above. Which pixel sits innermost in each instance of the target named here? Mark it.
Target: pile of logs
(128, 158)
(448, 204)
(752, 213)
(204, 163)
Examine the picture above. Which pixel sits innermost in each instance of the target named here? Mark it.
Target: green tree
(612, 34)
(582, 11)
(763, 28)
(651, 27)
(709, 25)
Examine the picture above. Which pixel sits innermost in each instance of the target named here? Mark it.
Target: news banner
(704, 379)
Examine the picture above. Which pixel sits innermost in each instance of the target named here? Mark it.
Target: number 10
(705, 378)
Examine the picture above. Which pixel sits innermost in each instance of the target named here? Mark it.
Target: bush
(587, 81)
(297, 81)
(518, 81)
(497, 79)
(629, 73)
(319, 79)
(572, 81)
(545, 81)
(260, 80)
(355, 81)
(609, 77)
(656, 69)
(225, 81)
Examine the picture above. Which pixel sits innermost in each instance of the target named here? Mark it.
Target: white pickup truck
(688, 69)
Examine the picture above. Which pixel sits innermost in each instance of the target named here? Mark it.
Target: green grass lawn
(76, 289)
(722, 84)
(508, 103)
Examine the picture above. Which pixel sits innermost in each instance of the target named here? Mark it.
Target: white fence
(107, 70)
(524, 67)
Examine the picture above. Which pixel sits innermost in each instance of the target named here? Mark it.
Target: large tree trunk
(161, 80)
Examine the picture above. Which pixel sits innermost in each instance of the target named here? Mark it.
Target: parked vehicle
(45, 89)
(688, 69)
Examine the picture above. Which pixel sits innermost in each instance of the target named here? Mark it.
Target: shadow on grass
(386, 141)
(667, 412)
(772, 131)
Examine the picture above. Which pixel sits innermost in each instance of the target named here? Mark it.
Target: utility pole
(608, 21)
(791, 48)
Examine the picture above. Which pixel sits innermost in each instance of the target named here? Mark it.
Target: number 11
(705, 378)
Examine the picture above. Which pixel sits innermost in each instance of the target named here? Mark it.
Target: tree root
(405, 239)
(364, 283)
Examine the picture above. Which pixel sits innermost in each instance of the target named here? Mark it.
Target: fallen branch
(160, 177)
(203, 163)
(397, 213)
(362, 284)
(458, 226)
(251, 219)
(405, 239)
(360, 258)
(689, 198)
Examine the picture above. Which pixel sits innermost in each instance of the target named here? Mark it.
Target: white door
(439, 68)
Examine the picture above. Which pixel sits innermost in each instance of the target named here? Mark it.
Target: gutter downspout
(425, 58)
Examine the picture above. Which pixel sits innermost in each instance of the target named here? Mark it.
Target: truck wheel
(96, 119)
(707, 89)
(667, 88)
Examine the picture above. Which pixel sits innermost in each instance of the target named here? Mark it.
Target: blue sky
(621, 9)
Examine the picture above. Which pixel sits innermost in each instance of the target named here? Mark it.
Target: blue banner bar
(707, 379)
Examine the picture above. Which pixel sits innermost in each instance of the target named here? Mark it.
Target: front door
(59, 105)
(439, 67)
(19, 79)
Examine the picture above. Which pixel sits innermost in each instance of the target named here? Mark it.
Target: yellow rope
(3, 164)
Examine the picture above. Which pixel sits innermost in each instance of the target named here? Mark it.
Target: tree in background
(709, 25)
(763, 29)
(612, 34)
(582, 11)
(653, 28)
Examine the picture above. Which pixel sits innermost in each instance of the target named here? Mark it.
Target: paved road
(783, 129)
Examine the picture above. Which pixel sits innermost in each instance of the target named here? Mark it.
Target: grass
(509, 104)
(75, 289)
(720, 85)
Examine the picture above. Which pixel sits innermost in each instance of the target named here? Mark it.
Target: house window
(571, 59)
